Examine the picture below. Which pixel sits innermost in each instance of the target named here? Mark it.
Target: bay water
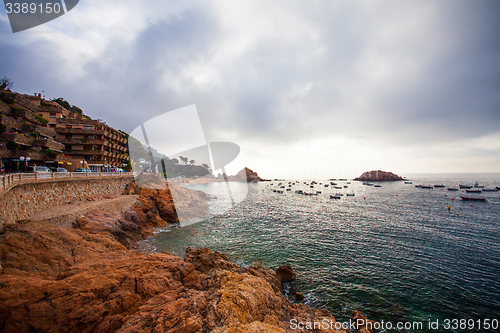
(395, 253)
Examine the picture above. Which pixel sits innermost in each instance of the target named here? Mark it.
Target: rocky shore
(378, 175)
(90, 278)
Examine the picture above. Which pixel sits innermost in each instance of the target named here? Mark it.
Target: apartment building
(92, 142)
(34, 131)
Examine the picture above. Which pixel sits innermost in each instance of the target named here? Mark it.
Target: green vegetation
(34, 135)
(67, 106)
(12, 146)
(3, 128)
(41, 119)
(8, 101)
(49, 152)
(6, 84)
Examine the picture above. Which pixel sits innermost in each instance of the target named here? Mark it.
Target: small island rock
(378, 175)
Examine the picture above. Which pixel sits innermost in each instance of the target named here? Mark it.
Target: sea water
(395, 253)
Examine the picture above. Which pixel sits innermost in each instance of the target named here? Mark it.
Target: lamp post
(25, 161)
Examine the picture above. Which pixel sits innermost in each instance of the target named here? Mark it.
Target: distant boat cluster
(283, 187)
(473, 189)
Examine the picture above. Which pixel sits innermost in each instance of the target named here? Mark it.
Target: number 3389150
(32, 8)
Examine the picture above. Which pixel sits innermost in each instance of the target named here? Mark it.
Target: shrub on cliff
(12, 146)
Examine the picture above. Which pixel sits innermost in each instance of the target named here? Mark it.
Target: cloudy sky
(305, 88)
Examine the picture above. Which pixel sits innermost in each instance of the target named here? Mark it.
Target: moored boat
(473, 191)
(440, 185)
(464, 186)
(472, 199)
(426, 186)
(452, 189)
(490, 189)
(334, 197)
(408, 183)
(350, 194)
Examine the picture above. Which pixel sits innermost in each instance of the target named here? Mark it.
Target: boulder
(285, 273)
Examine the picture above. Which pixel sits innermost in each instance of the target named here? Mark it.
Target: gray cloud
(411, 73)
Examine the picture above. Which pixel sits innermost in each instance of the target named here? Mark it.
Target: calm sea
(395, 253)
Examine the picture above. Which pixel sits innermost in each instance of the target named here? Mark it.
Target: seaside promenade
(8, 181)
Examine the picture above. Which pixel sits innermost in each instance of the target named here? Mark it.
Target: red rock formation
(378, 175)
(86, 279)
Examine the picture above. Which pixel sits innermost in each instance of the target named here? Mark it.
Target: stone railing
(10, 180)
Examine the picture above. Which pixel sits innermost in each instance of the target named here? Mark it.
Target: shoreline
(92, 276)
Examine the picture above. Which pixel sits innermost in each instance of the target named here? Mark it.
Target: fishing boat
(472, 199)
(473, 191)
(440, 185)
(419, 185)
(452, 189)
(350, 194)
(334, 197)
(464, 186)
(426, 186)
(299, 192)
(377, 185)
(408, 183)
(490, 189)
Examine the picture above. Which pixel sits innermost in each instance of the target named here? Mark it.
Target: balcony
(49, 144)
(11, 122)
(43, 131)
(81, 141)
(85, 152)
(32, 154)
(17, 138)
(26, 114)
(78, 131)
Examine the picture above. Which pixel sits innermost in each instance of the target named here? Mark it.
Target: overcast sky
(305, 88)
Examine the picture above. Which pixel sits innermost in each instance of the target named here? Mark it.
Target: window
(88, 127)
(52, 115)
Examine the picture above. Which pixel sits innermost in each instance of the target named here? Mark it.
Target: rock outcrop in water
(378, 175)
(244, 174)
(86, 279)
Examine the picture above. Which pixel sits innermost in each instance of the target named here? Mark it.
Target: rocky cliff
(89, 279)
(378, 175)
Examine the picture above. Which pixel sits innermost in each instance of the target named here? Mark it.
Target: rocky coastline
(90, 277)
